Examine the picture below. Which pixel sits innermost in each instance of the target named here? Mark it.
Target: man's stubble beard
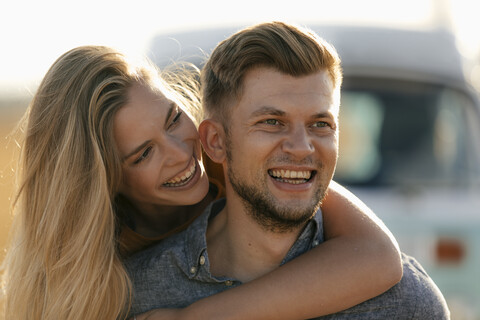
(263, 207)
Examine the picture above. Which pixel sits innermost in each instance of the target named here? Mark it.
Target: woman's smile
(184, 177)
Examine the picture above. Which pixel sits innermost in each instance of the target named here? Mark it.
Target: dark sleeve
(415, 297)
(430, 303)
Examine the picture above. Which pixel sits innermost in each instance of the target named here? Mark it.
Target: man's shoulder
(423, 293)
(162, 274)
(415, 297)
(179, 249)
(150, 257)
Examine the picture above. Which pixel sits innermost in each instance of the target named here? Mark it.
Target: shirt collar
(195, 246)
(310, 237)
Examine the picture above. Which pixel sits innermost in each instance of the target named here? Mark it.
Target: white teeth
(183, 179)
(291, 174)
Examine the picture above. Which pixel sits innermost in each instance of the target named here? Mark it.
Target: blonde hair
(287, 48)
(63, 260)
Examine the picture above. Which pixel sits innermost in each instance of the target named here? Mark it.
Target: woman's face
(160, 151)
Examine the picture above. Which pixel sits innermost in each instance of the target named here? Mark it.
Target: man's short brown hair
(289, 49)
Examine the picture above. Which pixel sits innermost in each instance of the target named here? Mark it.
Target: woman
(89, 195)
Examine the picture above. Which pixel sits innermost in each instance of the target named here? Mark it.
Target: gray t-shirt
(175, 273)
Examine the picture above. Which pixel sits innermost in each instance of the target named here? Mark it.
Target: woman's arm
(359, 261)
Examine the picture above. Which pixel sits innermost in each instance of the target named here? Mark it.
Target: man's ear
(212, 137)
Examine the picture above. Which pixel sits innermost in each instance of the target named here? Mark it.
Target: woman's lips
(184, 177)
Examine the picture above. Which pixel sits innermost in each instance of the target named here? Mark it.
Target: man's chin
(298, 211)
(295, 201)
(286, 218)
(307, 198)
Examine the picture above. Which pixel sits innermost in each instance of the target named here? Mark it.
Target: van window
(398, 133)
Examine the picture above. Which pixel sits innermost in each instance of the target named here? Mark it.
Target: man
(272, 94)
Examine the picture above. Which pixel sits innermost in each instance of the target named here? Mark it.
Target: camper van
(409, 142)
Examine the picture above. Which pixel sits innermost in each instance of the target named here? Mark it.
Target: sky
(33, 33)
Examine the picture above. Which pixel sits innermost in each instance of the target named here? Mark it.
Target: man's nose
(298, 143)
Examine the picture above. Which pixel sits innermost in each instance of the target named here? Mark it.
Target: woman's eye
(143, 155)
(176, 118)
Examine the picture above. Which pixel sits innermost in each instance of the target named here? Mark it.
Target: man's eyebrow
(323, 115)
(267, 110)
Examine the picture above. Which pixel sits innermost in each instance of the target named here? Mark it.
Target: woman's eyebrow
(173, 106)
(136, 150)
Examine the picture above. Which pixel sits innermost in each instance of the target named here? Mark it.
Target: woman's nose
(176, 151)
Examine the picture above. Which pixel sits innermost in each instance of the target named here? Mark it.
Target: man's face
(282, 146)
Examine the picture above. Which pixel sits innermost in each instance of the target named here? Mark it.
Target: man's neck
(240, 248)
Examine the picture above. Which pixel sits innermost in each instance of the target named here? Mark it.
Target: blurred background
(410, 113)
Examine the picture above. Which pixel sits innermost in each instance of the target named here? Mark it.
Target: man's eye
(320, 124)
(143, 156)
(272, 122)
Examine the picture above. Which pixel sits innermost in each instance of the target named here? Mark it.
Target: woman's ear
(212, 137)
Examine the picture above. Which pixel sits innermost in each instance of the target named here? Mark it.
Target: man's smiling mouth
(291, 176)
(183, 178)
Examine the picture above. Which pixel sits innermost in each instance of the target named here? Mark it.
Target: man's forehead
(266, 82)
(268, 91)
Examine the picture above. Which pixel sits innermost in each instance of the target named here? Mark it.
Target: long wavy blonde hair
(63, 260)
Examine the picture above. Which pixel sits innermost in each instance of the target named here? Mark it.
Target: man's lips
(292, 176)
(184, 177)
